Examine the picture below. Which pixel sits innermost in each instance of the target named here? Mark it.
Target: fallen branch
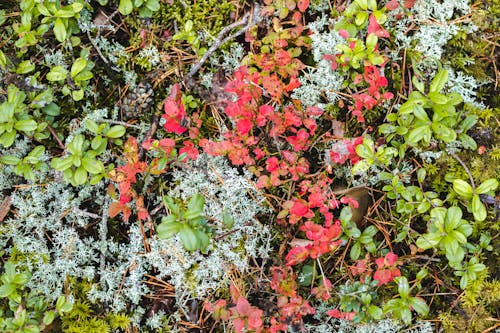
(248, 21)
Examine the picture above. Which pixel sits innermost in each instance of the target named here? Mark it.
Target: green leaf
(168, 229)
(52, 109)
(125, 7)
(227, 220)
(26, 125)
(418, 84)
(25, 67)
(462, 188)
(355, 251)
(438, 98)
(61, 164)
(375, 312)
(60, 30)
(57, 73)
(418, 134)
(195, 206)
(453, 219)
(444, 133)
(454, 252)
(92, 165)
(98, 143)
(361, 18)
(487, 186)
(203, 239)
(478, 209)
(371, 41)
(188, 238)
(439, 81)
(115, 132)
(419, 305)
(403, 287)
(80, 176)
(92, 126)
(10, 160)
(153, 5)
(171, 205)
(7, 138)
(428, 241)
(62, 305)
(49, 317)
(7, 289)
(306, 275)
(421, 173)
(77, 95)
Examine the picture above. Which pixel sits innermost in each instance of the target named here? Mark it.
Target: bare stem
(246, 21)
(455, 156)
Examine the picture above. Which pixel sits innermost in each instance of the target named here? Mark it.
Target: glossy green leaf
(25, 67)
(188, 238)
(7, 289)
(487, 186)
(418, 134)
(462, 188)
(419, 305)
(478, 209)
(77, 95)
(92, 126)
(403, 286)
(375, 312)
(115, 132)
(49, 317)
(10, 160)
(453, 218)
(125, 7)
(439, 81)
(57, 73)
(428, 241)
(168, 229)
(60, 30)
(61, 164)
(92, 165)
(355, 251)
(26, 125)
(80, 176)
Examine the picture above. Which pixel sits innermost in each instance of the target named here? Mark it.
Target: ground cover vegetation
(249, 166)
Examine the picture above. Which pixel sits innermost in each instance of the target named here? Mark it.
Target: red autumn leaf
(243, 126)
(374, 27)
(302, 5)
(299, 208)
(408, 4)
(392, 5)
(282, 58)
(296, 255)
(190, 150)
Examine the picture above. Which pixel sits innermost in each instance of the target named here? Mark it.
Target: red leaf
(282, 58)
(243, 126)
(392, 5)
(408, 4)
(302, 5)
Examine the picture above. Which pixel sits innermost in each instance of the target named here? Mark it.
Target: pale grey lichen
(321, 81)
(225, 190)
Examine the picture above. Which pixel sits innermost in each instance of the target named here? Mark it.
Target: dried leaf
(5, 207)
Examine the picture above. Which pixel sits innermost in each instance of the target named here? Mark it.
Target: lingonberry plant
(266, 166)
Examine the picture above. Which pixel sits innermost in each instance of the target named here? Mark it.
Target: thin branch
(103, 234)
(117, 122)
(246, 21)
(116, 69)
(466, 170)
(51, 130)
